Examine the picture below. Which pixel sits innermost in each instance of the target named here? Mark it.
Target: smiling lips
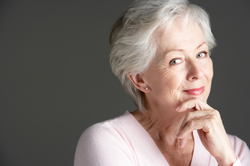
(195, 91)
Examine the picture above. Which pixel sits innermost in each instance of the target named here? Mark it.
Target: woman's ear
(138, 82)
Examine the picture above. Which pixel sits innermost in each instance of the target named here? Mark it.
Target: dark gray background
(56, 79)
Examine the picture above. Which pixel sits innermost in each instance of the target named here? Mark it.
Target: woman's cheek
(209, 70)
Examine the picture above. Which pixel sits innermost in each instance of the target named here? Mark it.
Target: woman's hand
(208, 123)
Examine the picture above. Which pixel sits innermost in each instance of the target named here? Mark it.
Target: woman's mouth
(195, 91)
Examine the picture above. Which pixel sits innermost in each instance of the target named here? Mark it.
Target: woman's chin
(200, 97)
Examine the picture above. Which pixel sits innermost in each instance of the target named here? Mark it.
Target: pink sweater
(124, 142)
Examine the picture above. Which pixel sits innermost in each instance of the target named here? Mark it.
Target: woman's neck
(163, 126)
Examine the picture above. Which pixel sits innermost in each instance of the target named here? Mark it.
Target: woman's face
(182, 68)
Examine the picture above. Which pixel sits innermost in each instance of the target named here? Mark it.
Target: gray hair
(131, 39)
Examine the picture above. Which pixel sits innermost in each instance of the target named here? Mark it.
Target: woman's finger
(194, 124)
(198, 123)
(198, 115)
(196, 104)
(204, 121)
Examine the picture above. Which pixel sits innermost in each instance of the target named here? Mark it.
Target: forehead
(179, 36)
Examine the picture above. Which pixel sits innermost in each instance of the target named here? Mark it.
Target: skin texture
(174, 110)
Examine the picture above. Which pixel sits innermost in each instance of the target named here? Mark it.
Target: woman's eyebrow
(181, 50)
(201, 44)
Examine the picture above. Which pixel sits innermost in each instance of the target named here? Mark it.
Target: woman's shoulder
(100, 130)
(236, 142)
(112, 127)
(102, 135)
(102, 142)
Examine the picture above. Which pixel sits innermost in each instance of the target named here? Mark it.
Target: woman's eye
(201, 55)
(175, 61)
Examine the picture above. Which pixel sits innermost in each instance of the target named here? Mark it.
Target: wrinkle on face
(167, 82)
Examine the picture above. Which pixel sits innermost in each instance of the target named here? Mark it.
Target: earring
(146, 88)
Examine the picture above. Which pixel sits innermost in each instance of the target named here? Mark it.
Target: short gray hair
(131, 38)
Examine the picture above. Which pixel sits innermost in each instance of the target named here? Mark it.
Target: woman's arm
(208, 123)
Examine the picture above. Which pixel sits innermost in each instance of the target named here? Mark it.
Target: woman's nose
(194, 71)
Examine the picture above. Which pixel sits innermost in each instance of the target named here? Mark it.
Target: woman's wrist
(228, 160)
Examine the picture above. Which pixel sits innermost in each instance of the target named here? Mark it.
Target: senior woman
(160, 51)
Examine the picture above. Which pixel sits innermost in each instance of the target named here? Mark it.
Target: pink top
(122, 141)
